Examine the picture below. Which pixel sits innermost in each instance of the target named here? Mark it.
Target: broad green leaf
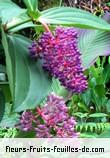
(20, 22)
(92, 44)
(9, 119)
(31, 4)
(15, 17)
(31, 83)
(74, 17)
(8, 62)
(95, 115)
(9, 10)
(2, 105)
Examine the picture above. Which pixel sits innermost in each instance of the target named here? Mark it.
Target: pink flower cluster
(50, 121)
(61, 57)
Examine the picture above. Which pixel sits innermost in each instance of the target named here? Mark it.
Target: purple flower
(50, 121)
(43, 131)
(26, 121)
(61, 57)
(33, 49)
(57, 117)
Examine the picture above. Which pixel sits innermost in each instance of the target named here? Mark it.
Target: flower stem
(46, 27)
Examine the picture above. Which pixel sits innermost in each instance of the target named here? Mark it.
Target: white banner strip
(54, 148)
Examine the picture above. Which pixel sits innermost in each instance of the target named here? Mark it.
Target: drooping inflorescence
(61, 57)
(52, 120)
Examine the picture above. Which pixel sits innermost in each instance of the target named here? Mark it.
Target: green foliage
(10, 119)
(9, 10)
(22, 134)
(8, 61)
(77, 18)
(31, 4)
(27, 75)
(58, 89)
(90, 127)
(92, 108)
(20, 22)
(98, 115)
(92, 45)
(8, 132)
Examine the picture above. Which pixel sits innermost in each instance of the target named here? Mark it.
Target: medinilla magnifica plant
(71, 41)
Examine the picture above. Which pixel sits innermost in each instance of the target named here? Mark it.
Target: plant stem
(46, 27)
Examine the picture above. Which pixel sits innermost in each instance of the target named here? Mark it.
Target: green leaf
(31, 4)
(2, 105)
(92, 82)
(92, 44)
(8, 61)
(80, 114)
(108, 106)
(86, 96)
(8, 132)
(98, 62)
(9, 119)
(58, 89)
(106, 74)
(31, 83)
(98, 100)
(20, 22)
(9, 10)
(13, 16)
(96, 115)
(83, 107)
(74, 17)
(100, 90)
